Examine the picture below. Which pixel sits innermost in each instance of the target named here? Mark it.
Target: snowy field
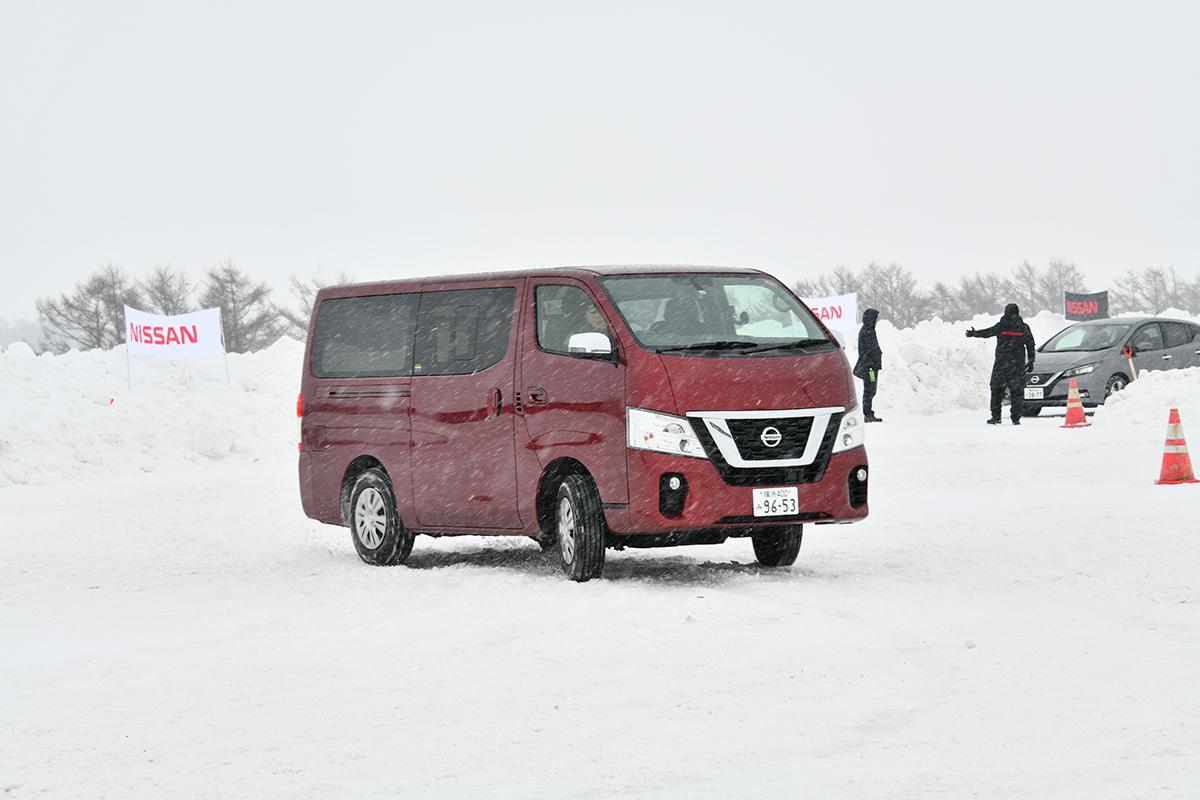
(1019, 617)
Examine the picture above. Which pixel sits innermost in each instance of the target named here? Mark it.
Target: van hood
(815, 380)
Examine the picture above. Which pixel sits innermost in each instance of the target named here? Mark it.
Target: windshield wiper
(728, 344)
(799, 344)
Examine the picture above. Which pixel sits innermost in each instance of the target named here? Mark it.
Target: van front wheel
(778, 547)
(379, 536)
(579, 527)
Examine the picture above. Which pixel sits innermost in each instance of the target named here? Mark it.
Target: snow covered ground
(1018, 618)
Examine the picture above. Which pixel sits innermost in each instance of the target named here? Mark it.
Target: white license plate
(1034, 393)
(776, 502)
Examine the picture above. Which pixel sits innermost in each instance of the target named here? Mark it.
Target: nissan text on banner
(839, 314)
(1085, 306)
(182, 335)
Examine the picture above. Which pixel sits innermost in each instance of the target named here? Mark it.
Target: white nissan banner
(181, 335)
(839, 314)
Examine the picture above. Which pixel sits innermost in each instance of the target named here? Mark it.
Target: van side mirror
(590, 343)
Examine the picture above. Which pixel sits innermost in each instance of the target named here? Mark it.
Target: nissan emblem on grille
(771, 436)
(1036, 379)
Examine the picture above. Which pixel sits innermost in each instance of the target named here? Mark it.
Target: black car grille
(793, 431)
(768, 475)
(1043, 379)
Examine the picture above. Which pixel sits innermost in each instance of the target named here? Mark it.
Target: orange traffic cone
(1177, 465)
(1075, 416)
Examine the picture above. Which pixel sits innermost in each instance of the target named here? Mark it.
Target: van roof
(541, 272)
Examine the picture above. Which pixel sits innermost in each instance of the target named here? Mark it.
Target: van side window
(1176, 333)
(1148, 337)
(563, 311)
(365, 337)
(464, 331)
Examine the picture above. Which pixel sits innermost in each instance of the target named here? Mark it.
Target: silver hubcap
(566, 529)
(370, 518)
(1116, 386)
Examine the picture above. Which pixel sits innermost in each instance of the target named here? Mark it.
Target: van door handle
(1167, 356)
(495, 402)
(537, 396)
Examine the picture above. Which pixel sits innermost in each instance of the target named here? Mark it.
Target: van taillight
(300, 414)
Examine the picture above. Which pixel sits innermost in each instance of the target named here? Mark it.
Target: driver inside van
(579, 316)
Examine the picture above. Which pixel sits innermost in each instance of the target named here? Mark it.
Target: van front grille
(769, 475)
(752, 436)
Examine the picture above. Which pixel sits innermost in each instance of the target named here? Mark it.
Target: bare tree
(296, 319)
(167, 291)
(1060, 277)
(984, 294)
(893, 291)
(944, 304)
(1025, 288)
(91, 316)
(248, 318)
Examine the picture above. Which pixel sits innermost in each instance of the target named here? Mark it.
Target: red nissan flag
(181, 335)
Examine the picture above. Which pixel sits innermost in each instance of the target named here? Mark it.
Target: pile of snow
(1147, 400)
(75, 415)
(933, 367)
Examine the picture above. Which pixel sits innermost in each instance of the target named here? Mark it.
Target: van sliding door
(463, 454)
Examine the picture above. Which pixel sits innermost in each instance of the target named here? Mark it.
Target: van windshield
(739, 314)
(1078, 338)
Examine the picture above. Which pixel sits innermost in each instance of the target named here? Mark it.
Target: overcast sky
(392, 139)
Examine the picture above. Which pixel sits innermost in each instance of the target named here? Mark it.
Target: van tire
(579, 527)
(778, 547)
(375, 527)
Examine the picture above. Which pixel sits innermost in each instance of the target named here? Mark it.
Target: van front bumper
(708, 502)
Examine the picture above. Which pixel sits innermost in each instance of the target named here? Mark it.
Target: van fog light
(672, 494)
(861, 474)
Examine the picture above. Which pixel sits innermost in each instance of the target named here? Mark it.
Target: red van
(583, 407)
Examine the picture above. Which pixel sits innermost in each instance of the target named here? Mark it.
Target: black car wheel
(778, 547)
(1115, 384)
(580, 528)
(379, 536)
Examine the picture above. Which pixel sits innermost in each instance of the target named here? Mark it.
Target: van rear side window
(365, 337)
(464, 331)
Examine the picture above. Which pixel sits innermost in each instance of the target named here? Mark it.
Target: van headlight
(850, 431)
(1075, 373)
(662, 433)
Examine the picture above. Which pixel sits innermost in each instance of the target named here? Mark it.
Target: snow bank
(1148, 400)
(74, 415)
(933, 367)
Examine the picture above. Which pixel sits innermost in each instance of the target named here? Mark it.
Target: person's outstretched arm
(986, 333)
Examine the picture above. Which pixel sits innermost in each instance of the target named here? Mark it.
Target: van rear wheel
(778, 547)
(375, 527)
(580, 528)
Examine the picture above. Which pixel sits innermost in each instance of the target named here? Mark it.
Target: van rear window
(365, 337)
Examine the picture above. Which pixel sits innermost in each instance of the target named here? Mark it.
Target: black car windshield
(1080, 338)
(733, 314)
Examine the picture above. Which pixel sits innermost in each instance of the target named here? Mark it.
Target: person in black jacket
(1015, 351)
(870, 361)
